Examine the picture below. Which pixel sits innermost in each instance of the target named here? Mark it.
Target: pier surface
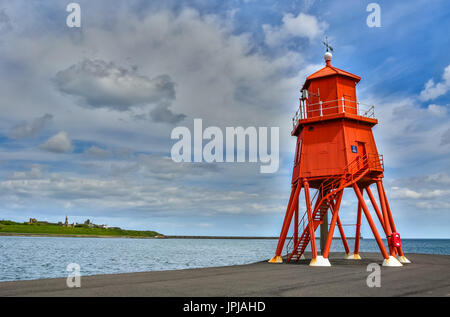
(428, 275)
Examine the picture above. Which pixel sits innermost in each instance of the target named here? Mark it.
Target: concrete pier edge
(427, 275)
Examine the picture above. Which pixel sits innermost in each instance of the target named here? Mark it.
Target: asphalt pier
(427, 275)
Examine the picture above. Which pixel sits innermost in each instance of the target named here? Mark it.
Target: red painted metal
(311, 228)
(288, 218)
(387, 225)
(341, 231)
(343, 238)
(375, 206)
(335, 150)
(334, 219)
(358, 229)
(391, 219)
(370, 221)
(296, 223)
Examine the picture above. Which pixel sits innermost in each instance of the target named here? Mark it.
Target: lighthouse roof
(329, 70)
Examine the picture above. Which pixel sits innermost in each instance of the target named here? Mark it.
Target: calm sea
(26, 258)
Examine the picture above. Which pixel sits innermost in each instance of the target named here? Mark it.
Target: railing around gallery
(326, 108)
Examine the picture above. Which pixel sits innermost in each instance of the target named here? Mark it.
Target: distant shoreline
(14, 234)
(86, 230)
(55, 235)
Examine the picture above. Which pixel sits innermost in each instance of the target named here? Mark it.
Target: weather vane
(329, 48)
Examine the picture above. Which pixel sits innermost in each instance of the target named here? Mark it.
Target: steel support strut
(343, 238)
(370, 221)
(332, 225)
(375, 206)
(358, 229)
(341, 229)
(296, 223)
(391, 219)
(287, 222)
(387, 225)
(310, 220)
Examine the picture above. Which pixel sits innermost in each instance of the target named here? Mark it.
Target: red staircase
(326, 196)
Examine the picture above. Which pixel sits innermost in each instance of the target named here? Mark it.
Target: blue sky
(75, 142)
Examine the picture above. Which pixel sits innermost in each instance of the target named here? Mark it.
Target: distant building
(89, 223)
(32, 220)
(67, 224)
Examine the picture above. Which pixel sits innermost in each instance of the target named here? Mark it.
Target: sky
(87, 113)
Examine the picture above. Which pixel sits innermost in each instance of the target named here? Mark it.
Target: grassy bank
(7, 226)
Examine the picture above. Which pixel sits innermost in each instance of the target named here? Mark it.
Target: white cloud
(102, 84)
(95, 151)
(30, 129)
(219, 77)
(428, 192)
(434, 90)
(302, 25)
(437, 110)
(5, 22)
(438, 179)
(59, 143)
(36, 171)
(131, 195)
(163, 167)
(408, 133)
(445, 138)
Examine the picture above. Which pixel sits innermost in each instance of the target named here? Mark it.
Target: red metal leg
(326, 251)
(343, 238)
(341, 231)
(375, 206)
(287, 219)
(296, 223)
(370, 221)
(358, 228)
(391, 218)
(387, 225)
(310, 220)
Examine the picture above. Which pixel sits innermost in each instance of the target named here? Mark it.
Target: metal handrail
(305, 109)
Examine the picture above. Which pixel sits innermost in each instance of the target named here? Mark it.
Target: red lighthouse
(335, 150)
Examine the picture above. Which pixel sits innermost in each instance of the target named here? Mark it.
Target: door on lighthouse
(363, 161)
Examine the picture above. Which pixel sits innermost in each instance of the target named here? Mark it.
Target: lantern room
(330, 90)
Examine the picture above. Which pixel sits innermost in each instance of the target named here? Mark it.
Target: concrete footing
(392, 262)
(403, 259)
(276, 259)
(352, 256)
(320, 261)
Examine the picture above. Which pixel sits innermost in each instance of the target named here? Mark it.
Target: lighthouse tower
(335, 150)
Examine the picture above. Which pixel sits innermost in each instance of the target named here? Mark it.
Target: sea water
(26, 258)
